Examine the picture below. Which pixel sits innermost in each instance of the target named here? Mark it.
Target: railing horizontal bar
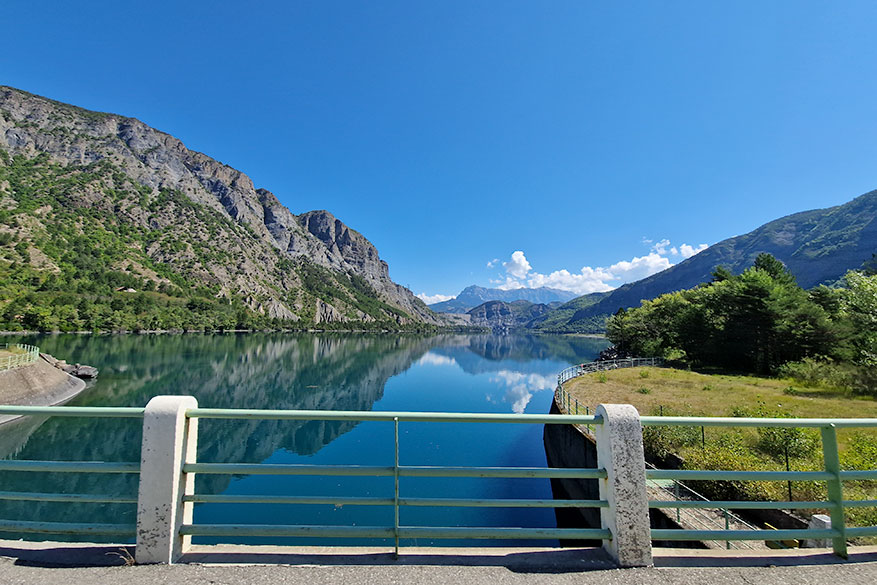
(861, 531)
(67, 528)
(511, 533)
(421, 502)
(732, 421)
(69, 466)
(502, 503)
(737, 505)
(248, 499)
(282, 469)
(689, 474)
(389, 532)
(858, 474)
(378, 471)
(860, 503)
(284, 530)
(72, 498)
(85, 411)
(514, 472)
(671, 534)
(368, 415)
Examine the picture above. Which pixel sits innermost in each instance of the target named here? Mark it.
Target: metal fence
(396, 500)
(569, 403)
(186, 467)
(832, 475)
(26, 354)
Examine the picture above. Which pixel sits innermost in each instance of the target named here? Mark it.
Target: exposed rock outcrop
(202, 218)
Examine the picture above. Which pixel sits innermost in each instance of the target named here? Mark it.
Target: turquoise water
(449, 373)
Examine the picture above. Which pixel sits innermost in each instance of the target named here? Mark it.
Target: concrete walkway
(24, 563)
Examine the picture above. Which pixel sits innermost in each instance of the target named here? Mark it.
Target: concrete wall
(37, 384)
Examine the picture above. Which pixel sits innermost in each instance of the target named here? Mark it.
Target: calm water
(460, 373)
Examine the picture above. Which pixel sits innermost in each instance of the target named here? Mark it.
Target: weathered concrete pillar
(620, 453)
(169, 441)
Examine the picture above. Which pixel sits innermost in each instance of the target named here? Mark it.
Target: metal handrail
(605, 365)
(832, 475)
(397, 531)
(30, 355)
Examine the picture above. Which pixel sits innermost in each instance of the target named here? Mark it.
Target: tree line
(762, 322)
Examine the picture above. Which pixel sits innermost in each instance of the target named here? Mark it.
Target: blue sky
(574, 144)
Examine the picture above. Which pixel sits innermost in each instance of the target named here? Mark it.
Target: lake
(333, 371)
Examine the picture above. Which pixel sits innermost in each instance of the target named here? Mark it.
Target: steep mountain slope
(94, 197)
(817, 246)
(557, 319)
(472, 296)
(500, 315)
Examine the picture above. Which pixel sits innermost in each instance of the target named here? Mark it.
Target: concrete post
(620, 453)
(169, 441)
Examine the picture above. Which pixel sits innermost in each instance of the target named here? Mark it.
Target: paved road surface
(28, 564)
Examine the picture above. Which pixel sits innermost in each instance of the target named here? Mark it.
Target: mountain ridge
(182, 218)
(474, 295)
(817, 246)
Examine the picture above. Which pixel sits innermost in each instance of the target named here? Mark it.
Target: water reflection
(281, 371)
(519, 387)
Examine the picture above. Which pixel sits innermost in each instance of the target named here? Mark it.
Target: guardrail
(832, 475)
(29, 355)
(591, 367)
(167, 495)
(571, 404)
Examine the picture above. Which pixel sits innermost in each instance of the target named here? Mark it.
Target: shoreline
(38, 384)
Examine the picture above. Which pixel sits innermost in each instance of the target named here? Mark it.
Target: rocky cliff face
(195, 216)
(502, 316)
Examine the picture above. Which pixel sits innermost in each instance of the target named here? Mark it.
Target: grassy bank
(655, 391)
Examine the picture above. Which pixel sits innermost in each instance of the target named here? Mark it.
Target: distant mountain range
(473, 296)
(817, 246)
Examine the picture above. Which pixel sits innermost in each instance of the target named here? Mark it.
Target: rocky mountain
(817, 246)
(502, 316)
(107, 200)
(558, 318)
(472, 296)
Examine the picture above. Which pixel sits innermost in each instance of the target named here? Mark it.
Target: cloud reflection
(520, 387)
(434, 359)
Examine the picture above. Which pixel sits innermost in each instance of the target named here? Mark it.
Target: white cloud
(688, 251)
(519, 272)
(661, 247)
(639, 267)
(518, 266)
(492, 263)
(432, 299)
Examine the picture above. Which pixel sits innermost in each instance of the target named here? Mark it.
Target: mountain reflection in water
(467, 373)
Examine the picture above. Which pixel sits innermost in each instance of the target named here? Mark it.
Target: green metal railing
(397, 531)
(592, 367)
(28, 355)
(569, 403)
(832, 475)
(70, 528)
